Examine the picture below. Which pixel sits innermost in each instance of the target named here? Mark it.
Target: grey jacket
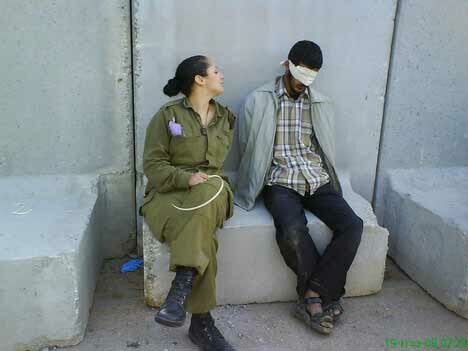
(257, 128)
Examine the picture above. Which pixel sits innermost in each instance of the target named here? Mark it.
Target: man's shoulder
(261, 92)
(318, 96)
(268, 87)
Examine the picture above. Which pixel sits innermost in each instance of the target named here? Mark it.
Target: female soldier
(185, 147)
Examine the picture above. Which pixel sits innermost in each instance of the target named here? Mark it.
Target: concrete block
(50, 255)
(426, 212)
(66, 100)
(117, 197)
(422, 132)
(250, 267)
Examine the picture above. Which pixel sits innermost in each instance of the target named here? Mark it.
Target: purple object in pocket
(175, 128)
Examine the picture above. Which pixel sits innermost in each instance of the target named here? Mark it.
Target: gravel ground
(402, 310)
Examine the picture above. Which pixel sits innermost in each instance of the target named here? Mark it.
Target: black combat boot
(172, 311)
(205, 335)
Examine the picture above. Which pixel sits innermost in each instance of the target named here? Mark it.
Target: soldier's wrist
(183, 180)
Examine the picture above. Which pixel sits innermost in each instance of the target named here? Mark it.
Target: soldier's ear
(200, 80)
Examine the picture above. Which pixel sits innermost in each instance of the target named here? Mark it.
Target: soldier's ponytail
(185, 75)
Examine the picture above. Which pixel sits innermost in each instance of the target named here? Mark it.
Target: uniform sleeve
(156, 160)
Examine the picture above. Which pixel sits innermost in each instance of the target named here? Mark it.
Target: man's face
(295, 85)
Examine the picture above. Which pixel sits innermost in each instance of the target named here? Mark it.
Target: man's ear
(199, 80)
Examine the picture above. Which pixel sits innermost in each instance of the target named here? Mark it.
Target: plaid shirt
(296, 163)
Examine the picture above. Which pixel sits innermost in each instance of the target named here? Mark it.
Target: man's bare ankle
(313, 307)
(311, 293)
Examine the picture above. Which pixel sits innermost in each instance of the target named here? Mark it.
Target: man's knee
(358, 225)
(291, 236)
(354, 229)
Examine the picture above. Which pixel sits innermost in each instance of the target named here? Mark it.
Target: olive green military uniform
(168, 162)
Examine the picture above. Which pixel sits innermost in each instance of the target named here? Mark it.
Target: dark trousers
(326, 273)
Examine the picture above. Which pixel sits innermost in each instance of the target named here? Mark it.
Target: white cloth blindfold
(303, 74)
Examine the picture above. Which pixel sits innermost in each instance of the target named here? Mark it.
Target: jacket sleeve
(245, 123)
(330, 119)
(156, 159)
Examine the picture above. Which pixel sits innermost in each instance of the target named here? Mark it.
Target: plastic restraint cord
(207, 202)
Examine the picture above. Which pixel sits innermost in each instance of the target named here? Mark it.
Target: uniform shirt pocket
(187, 150)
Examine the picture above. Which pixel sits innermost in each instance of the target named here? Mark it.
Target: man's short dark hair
(306, 52)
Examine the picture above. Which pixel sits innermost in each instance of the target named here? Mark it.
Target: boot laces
(212, 332)
(181, 287)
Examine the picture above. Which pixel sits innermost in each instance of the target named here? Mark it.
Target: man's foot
(172, 311)
(205, 335)
(334, 309)
(310, 312)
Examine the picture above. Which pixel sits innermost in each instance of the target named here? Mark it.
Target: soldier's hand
(198, 178)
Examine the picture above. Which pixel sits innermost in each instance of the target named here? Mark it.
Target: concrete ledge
(50, 254)
(426, 212)
(251, 269)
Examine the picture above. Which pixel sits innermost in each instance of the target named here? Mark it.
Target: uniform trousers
(191, 235)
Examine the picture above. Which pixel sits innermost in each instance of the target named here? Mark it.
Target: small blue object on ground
(131, 265)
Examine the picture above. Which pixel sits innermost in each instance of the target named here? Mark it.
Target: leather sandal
(334, 309)
(320, 322)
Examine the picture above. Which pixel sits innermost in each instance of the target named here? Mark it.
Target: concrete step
(50, 254)
(426, 212)
(250, 267)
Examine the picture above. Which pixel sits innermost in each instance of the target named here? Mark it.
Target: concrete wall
(65, 99)
(248, 39)
(426, 114)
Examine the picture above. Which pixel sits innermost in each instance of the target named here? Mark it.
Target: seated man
(287, 150)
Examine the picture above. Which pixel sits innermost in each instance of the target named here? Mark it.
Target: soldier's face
(214, 79)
